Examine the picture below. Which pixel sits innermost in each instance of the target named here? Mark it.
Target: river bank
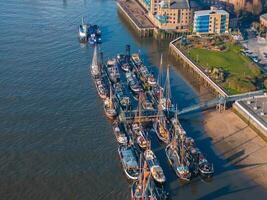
(238, 144)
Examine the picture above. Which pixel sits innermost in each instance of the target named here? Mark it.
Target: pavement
(137, 13)
(258, 47)
(238, 144)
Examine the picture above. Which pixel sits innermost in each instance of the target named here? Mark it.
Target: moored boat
(154, 167)
(129, 161)
(112, 71)
(142, 140)
(205, 168)
(162, 131)
(101, 88)
(119, 133)
(109, 106)
(145, 188)
(177, 161)
(83, 32)
(95, 68)
(122, 95)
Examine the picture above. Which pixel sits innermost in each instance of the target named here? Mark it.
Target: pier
(137, 16)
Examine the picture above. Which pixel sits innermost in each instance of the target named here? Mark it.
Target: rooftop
(181, 4)
(208, 12)
(257, 107)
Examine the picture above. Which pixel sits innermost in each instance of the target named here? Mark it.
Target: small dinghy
(205, 168)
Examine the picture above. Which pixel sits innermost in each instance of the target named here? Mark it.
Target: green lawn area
(241, 73)
(231, 60)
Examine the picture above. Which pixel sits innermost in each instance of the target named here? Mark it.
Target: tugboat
(83, 32)
(109, 106)
(119, 133)
(177, 160)
(154, 167)
(129, 161)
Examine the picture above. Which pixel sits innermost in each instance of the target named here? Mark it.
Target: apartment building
(211, 22)
(176, 15)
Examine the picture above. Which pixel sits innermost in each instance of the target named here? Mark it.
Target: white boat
(83, 32)
(119, 133)
(129, 161)
(155, 168)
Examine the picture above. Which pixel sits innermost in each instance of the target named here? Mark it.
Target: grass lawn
(240, 70)
(230, 60)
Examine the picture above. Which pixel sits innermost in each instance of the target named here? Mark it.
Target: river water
(55, 142)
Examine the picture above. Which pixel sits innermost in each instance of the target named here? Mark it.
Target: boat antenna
(82, 21)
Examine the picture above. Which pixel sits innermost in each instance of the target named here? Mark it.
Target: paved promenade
(239, 144)
(137, 13)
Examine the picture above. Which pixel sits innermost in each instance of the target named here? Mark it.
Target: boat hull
(156, 129)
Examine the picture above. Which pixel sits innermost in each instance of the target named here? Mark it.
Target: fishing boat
(112, 71)
(83, 32)
(133, 83)
(160, 128)
(140, 133)
(119, 133)
(145, 188)
(94, 34)
(177, 161)
(136, 59)
(126, 67)
(122, 95)
(109, 107)
(101, 88)
(95, 69)
(205, 168)
(142, 140)
(155, 168)
(129, 161)
(147, 103)
(151, 80)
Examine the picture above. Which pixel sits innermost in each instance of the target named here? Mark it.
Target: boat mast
(167, 89)
(110, 98)
(182, 150)
(82, 21)
(160, 71)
